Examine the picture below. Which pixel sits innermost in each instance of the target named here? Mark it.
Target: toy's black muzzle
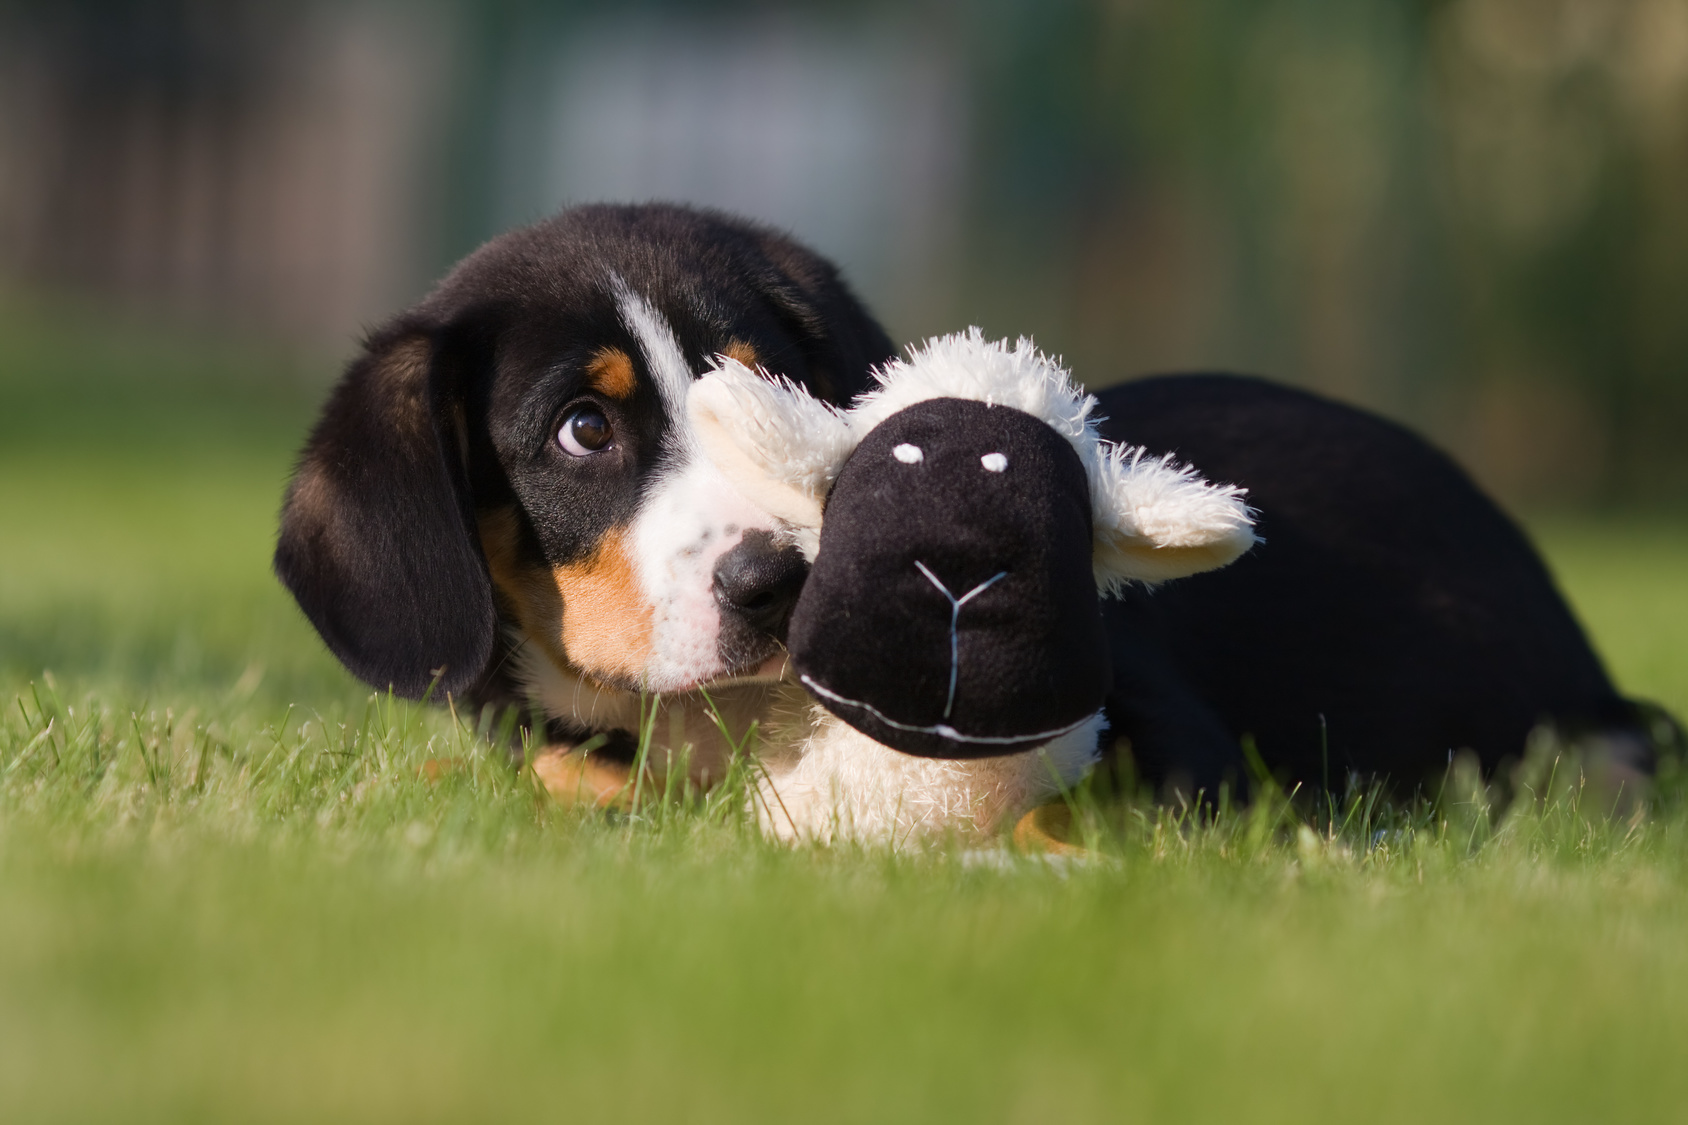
(951, 611)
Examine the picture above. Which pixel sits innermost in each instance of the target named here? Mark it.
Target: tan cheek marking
(606, 626)
(611, 373)
(742, 352)
(589, 617)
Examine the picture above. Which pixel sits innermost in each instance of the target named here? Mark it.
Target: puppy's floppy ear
(778, 445)
(1155, 520)
(378, 540)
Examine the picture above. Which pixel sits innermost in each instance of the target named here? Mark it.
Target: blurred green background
(226, 895)
(1472, 214)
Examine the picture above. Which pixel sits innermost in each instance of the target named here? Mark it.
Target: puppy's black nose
(759, 582)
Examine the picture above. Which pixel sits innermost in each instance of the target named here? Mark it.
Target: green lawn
(226, 893)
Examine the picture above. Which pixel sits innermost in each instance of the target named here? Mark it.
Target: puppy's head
(514, 455)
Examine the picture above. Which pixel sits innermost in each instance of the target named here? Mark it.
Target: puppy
(501, 501)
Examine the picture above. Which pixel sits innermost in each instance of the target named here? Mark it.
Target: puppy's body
(1392, 616)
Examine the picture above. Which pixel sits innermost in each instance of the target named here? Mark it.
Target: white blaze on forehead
(994, 462)
(663, 355)
(689, 516)
(908, 454)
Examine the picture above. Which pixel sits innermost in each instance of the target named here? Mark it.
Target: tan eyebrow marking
(611, 373)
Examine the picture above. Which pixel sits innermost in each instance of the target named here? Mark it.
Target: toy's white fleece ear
(1156, 520)
(778, 444)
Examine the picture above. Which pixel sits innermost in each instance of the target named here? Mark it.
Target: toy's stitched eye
(994, 462)
(584, 432)
(908, 454)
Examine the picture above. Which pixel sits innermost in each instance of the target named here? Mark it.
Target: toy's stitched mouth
(955, 617)
(943, 730)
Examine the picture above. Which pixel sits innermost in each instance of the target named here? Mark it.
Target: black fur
(450, 410)
(1392, 616)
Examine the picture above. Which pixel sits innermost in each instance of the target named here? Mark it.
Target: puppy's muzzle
(757, 584)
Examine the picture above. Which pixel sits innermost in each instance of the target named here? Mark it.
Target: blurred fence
(1472, 213)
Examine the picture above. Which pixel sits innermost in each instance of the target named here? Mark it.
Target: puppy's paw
(573, 778)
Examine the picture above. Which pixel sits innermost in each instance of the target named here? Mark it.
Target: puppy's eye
(585, 431)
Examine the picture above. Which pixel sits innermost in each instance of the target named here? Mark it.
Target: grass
(228, 891)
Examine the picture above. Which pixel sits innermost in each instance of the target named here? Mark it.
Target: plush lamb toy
(959, 521)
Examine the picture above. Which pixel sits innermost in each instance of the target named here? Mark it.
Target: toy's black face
(951, 610)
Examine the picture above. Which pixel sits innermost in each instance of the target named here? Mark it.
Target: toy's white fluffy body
(1153, 520)
(838, 784)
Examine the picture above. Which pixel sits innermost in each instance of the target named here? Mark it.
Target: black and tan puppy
(504, 501)
(501, 500)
